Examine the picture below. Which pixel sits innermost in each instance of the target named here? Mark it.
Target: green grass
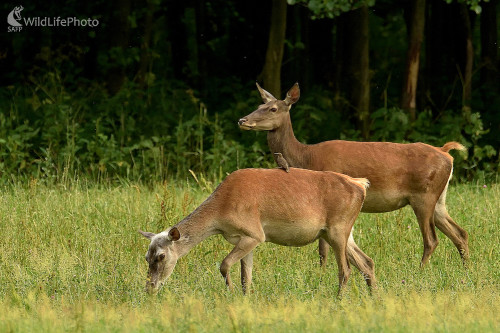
(71, 260)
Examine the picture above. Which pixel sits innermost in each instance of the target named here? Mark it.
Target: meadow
(71, 259)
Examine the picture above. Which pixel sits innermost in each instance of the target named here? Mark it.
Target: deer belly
(383, 201)
(291, 233)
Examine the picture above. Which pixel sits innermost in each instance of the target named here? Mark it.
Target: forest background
(156, 89)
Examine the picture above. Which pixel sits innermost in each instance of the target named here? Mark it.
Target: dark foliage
(156, 89)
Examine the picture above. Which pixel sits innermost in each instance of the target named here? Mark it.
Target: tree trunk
(354, 66)
(118, 38)
(299, 68)
(271, 74)
(469, 57)
(305, 67)
(201, 34)
(439, 68)
(339, 64)
(490, 76)
(489, 43)
(415, 37)
(145, 57)
(190, 26)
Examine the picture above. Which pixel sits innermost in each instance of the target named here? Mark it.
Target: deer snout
(245, 124)
(151, 288)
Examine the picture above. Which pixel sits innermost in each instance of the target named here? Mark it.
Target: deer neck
(195, 228)
(282, 140)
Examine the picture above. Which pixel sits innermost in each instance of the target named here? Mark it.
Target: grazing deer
(252, 206)
(413, 174)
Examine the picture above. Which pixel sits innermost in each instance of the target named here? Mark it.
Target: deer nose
(242, 121)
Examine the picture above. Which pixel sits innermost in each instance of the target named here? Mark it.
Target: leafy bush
(55, 135)
(466, 127)
(52, 134)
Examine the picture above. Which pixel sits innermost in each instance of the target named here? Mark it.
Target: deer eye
(273, 109)
(161, 257)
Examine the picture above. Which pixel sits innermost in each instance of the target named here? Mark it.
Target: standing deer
(413, 174)
(252, 206)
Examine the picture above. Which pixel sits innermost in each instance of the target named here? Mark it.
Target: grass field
(71, 260)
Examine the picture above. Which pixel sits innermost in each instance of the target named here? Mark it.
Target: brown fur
(453, 145)
(252, 206)
(400, 174)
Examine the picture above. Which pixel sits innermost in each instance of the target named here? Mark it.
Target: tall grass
(71, 259)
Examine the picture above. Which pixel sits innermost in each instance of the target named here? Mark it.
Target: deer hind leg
(424, 210)
(338, 241)
(244, 246)
(324, 248)
(246, 272)
(362, 262)
(453, 231)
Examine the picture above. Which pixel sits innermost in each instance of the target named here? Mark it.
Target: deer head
(270, 115)
(161, 257)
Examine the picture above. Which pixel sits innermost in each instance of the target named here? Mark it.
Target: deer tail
(452, 145)
(365, 183)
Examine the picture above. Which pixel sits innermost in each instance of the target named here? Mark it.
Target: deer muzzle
(152, 288)
(244, 124)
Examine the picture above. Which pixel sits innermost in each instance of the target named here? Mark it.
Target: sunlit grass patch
(71, 259)
(411, 312)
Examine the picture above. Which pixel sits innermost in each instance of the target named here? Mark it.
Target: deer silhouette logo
(14, 16)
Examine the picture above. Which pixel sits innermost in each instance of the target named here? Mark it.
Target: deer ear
(293, 95)
(148, 235)
(174, 234)
(266, 95)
